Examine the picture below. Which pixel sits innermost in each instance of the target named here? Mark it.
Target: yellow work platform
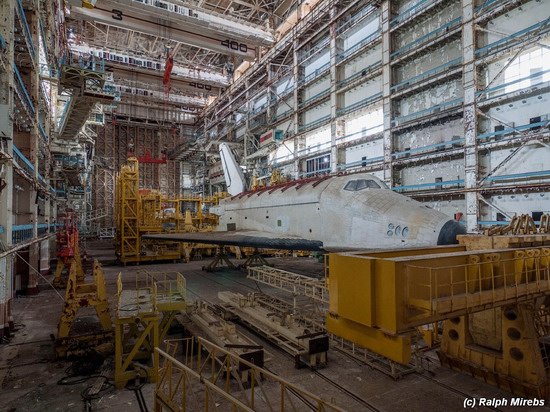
(143, 316)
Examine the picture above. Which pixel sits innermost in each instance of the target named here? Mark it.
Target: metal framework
(306, 341)
(79, 295)
(212, 378)
(487, 298)
(143, 317)
(128, 239)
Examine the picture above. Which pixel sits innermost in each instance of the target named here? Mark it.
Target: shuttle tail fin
(232, 172)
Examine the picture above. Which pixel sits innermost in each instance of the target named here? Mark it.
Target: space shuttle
(328, 213)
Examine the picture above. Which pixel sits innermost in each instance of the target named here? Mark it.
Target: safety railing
(360, 163)
(314, 98)
(346, 24)
(420, 186)
(84, 61)
(429, 111)
(360, 133)
(313, 149)
(358, 46)
(64, 113)
(170, 287)
(314, 124)
(429, 148)
(42, 228)
(70, 162)
(361, 73)
(537, 29)
(359, 105)
(258, 121)
(23, 162)
(444, 68)
(484, 280)
(437, 33)
(25, 24)
(414, 9)
(486, 5)
(298, 285)
(21, 233)
(20, 86)
(140, 301)
(541, 174)
(215, 377)
(281, 115)
(42, 132)
(284, 93)
(315, 74)
(530, 79)
(512, 130)
(313, 173)
(315, 49)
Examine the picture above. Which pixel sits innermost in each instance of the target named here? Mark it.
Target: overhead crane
(226, 36)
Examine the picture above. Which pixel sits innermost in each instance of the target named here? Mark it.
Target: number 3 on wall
(117, 14)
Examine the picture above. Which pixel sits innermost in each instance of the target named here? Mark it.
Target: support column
(386, 91)
(337, 127)
(296, 97)
(34, 249)
(7, 23)
(470, 115)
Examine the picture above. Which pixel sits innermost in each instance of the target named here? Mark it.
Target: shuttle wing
(245, 238)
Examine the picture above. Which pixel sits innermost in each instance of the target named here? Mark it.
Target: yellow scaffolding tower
(128, 239)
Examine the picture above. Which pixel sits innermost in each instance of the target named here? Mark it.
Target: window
(356, 185)
(319, 164)
(350, 186)
(528, 69)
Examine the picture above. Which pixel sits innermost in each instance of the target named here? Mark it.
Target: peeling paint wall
(428, 98)
(430, 135)
(447, 171)
(428, 61)
(429, 24)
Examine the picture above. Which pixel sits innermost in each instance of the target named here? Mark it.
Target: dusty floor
(29, 372)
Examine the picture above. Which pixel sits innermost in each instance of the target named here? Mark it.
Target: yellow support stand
(80, 295)
(144, 315)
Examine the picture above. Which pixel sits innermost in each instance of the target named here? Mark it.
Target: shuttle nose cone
(447, 234)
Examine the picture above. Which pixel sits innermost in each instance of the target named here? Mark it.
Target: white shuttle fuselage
(355, 211)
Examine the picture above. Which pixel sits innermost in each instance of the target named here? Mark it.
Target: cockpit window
(351, 185)
(360, 184)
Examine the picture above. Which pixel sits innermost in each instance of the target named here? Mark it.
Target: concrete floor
(29, 371)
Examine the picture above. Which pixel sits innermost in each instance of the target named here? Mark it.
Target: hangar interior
(113, 115)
